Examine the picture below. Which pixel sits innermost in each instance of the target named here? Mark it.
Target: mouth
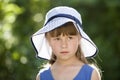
(64, 52)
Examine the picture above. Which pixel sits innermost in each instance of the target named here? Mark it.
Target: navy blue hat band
(66, 16)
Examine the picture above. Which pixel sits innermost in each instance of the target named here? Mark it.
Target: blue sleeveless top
(84, 74)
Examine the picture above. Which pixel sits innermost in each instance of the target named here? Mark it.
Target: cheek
(55, 49)
(75, 44)
(54, 46)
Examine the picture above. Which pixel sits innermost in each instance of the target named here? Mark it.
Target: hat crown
(63, 10)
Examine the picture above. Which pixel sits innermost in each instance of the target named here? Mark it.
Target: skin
(65, 47)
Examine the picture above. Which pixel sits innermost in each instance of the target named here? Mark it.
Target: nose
(64, 42)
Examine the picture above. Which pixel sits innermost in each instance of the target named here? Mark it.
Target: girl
(63, 42)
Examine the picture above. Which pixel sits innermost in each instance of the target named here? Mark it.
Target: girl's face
(64, 41)
(64, 46)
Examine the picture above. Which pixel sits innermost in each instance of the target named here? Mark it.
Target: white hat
(55, 18)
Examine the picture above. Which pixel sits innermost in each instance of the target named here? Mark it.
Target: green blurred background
(19, 19)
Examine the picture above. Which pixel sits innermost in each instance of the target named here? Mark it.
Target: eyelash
(70, 37)
(57, 38)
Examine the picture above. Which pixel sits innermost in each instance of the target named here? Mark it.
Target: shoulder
(44, 70)
(38, 77)
(92, 72)
(95, 73)
(41, 72)
(87, 68)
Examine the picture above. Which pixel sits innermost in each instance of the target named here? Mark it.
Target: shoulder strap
(46, 75)
(85, 73)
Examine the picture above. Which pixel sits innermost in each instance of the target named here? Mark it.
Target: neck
(68, 62)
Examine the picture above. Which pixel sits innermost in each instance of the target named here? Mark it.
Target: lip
(64, 52)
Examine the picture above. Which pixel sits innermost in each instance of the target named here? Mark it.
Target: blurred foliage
(19, 19)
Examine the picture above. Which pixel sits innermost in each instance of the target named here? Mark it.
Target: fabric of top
(55, 18)
(84, 74)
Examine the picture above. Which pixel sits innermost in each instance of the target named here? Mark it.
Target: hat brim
(43, 49)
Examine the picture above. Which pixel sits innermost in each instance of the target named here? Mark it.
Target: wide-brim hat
(55, 18)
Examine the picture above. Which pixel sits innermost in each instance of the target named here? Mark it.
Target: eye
(70, 37)
(57, 38)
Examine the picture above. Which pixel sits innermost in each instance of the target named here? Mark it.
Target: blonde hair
(66, 29)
